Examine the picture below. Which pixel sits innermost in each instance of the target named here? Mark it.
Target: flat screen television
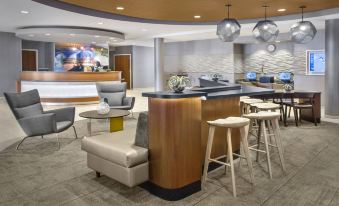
(80, 58)
(315, 62)
(285, 77)
(251, 76)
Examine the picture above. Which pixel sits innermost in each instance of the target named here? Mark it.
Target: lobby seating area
(169, 103)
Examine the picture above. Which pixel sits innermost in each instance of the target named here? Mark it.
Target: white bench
(116, 156)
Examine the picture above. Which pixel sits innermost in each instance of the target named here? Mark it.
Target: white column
(332, 68)
(159, 64)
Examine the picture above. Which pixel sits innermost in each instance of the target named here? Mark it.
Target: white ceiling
(135, 33)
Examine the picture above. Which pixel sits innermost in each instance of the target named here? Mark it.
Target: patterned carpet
(40, 174)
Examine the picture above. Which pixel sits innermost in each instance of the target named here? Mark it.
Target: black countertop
(245, 91)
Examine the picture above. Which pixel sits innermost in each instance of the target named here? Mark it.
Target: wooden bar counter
(178, 134)
(65, 87)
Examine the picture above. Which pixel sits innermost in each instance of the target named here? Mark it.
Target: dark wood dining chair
(305, 101)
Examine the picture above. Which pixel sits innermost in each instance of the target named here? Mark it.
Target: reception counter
(65, 87)
(178, 134)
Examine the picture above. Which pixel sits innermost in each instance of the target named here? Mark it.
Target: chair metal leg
(17, 147)
(296, 116)
(57, 136)
(75, 132)
(42, 136)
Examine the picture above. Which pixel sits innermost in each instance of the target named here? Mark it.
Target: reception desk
(178, 132)
(65, 87)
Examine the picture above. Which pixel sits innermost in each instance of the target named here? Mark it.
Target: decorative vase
(288, 87)
(216, 77)
(178, 83)
(103, 108)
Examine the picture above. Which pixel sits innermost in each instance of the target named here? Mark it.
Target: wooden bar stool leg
(258, 138)
(267, 149)
(279, 143)
(243, 134)
(230, 154)
(208, 152)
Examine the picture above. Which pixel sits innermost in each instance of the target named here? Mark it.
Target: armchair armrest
(39, 124)
(63, 114)
(128, 101)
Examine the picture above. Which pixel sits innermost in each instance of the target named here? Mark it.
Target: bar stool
(230, 123)
(246, 104)
(267, 106)
(270, 118)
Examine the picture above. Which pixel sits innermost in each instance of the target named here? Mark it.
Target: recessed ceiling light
(111, 38)
(277, 41)
(144, 30)
(197, 16)
(93, 42)
(48, 34)
(31, 35)
(115, 40)
(281, 10)
(96, 36)
(100, 23)
(24, 12)
(72, 34)
(120, 8)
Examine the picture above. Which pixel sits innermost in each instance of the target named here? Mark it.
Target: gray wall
(10, 61)
(203, 57)
(143, 67)
(46, 52)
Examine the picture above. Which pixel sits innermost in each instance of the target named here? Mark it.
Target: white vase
(103, 108)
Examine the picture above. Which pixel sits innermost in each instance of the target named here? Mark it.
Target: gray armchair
(28, 111)
(115, 94)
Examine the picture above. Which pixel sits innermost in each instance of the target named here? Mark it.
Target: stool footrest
(219, 162)
(258, 150)
(270, 144)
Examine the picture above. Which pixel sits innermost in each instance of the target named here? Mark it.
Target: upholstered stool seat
(251, 101)
(244, 97)
(266, 106)
(269, 121)
(230, 123)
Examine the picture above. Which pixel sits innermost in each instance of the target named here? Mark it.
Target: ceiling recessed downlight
(100, 23)
(47, 34)
(31, 35)
(24, 12)
(72, 34)
(96, 36)
(93, 42)
(144, 30)
(120, 8)
(197, 16)
(111, 38)
(281, 10)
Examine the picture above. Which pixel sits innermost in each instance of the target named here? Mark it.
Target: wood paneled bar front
(178, 132)
(65, 87)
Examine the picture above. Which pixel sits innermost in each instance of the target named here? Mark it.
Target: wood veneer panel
(71, 76)
(175, 141)
(215, 109)
(210, 10)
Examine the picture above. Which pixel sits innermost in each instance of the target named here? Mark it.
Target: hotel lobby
(218, 102)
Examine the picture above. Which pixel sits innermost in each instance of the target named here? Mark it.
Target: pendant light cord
(228, 10)
(265, 6)
(302, 12)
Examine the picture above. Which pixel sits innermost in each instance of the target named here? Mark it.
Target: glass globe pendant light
(228, 29)
(265, 30)
(304, 31)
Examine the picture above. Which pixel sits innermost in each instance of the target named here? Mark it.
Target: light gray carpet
(39, 174)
